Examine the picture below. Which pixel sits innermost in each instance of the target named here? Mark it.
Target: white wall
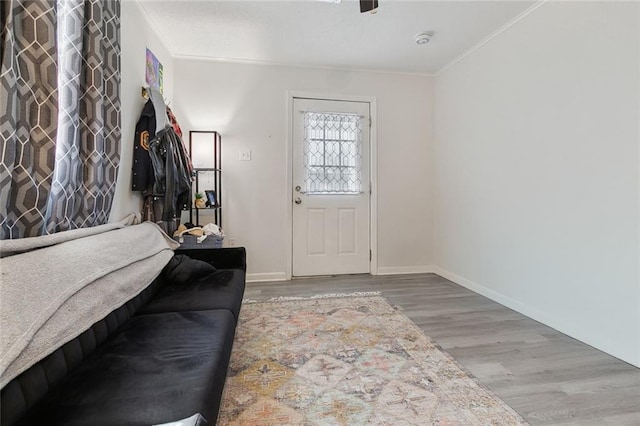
(247, 104)
(537, 171)
(136, 35)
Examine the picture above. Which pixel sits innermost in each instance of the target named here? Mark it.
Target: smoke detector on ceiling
(424, 37)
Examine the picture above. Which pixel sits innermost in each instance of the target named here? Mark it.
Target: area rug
(347, 361)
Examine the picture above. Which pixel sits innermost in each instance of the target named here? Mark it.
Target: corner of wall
(137, 34)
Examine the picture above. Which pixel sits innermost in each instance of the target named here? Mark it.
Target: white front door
(331, 187)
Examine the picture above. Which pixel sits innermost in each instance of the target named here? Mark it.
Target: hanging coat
(172, 179)
(160, 164)
(142, 176)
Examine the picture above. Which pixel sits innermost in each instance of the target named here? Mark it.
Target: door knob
(298, 200)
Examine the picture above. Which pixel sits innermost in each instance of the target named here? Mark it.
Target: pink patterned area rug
(347, 361)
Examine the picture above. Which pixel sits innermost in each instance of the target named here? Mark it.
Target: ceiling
(322, 34)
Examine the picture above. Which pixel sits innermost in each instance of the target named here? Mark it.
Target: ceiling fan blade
(368, 5)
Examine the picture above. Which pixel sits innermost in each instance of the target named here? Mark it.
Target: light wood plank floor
(546, 376)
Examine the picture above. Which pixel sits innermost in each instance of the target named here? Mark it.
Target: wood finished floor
(546, 376)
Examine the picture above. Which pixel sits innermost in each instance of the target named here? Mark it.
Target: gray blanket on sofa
(50, 295)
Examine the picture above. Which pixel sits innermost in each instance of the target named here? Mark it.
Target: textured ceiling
(321, 34)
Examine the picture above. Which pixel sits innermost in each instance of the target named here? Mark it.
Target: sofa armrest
(221, 258)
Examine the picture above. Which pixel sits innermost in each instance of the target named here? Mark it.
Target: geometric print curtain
(60, 130)
(29, 115)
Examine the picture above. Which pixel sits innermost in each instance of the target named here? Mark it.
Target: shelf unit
(205, 148)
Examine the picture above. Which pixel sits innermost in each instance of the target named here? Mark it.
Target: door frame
(373, 172)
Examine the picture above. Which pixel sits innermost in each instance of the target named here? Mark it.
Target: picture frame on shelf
(212, 200)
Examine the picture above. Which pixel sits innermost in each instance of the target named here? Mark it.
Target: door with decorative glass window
(331, 187)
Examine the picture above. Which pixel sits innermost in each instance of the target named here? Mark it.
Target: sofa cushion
(156, 369)
(221, 258)
(30, 387)
(182, 269)
(71, 286)
(221, 290)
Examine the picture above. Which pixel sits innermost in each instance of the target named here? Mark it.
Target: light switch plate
(245, 155)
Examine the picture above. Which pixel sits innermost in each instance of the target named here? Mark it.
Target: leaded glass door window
(330, 187)
(332, 153)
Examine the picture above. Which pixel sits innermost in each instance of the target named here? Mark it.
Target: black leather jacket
(170, 167)
(160, 166)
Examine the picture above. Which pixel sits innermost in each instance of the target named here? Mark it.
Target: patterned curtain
(61, 71)
(28, 115)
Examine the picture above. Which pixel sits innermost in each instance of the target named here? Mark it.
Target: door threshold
(306, 277)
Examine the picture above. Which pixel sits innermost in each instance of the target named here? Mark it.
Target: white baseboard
(269, 276)
(543, 317)
(400, 270)
(491, 294)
